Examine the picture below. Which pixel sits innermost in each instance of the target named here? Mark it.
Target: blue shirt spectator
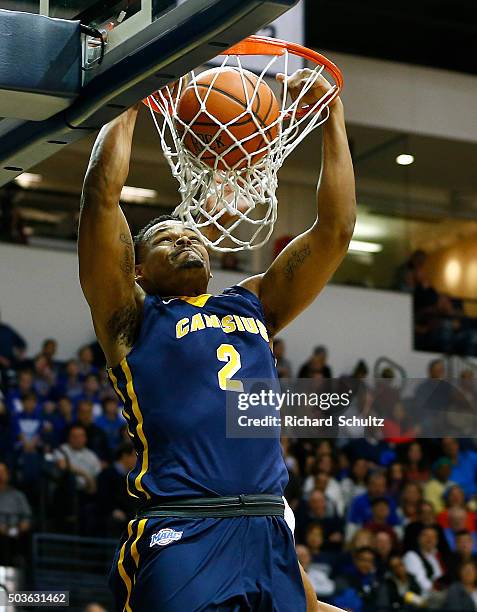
(69, 383)
(111, 422)
(464, 465)
(360, 511)
(27, 425)
(24, 386)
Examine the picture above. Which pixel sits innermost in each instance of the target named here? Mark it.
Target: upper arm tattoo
(127, 255)
(295, 260)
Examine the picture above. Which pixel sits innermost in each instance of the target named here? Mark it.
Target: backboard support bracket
(169, 47)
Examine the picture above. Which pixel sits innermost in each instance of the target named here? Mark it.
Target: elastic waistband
(216, 507)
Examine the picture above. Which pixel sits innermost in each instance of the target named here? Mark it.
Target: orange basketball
(230, 102)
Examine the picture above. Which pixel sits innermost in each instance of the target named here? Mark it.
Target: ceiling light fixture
(27, 180)
(404, 159)
(359, 246)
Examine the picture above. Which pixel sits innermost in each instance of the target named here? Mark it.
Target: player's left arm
(304, 267)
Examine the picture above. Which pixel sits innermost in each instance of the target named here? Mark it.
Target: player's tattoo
(127, 258)
(295, 260)
(123, 325)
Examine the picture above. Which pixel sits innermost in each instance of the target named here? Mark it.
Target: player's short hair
(139, 238)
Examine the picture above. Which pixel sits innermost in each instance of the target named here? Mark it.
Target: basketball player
(210, 533)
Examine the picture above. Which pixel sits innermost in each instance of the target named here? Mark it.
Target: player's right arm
(105, 245)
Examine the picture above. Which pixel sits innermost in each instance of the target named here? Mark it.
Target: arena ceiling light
(404, 159)
(137, 195)
(359, 246)
(27, 180)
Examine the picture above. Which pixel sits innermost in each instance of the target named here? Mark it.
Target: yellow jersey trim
(139, 428)
(114, 380)
(198, 300)
(140, 531)
(122, 571)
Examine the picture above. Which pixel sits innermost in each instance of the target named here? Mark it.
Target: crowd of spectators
(441, 323)
(384, 523)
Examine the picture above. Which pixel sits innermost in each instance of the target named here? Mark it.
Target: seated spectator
(386, 395)
(111, 422)
(438, 485)
(15, 521)
(86, 362)
(426, 517)
(395, 478)
(464, 465)
(322, 479)
(44, 378)
(432, 399)
(76, 458)
(361, 579)
(384, 545)
(27, 425)
(415, 466)
(48, 350)
(376, 452)
(400, 590)
(63, 418)
(409, 503)
(91, 394)
(289, 458)
(455, 498)
(320, 580)
(96, 437)
(424, 563)
(360, 511)
(316, 510)
(116, 507)
(23, 387)
(69, 383)
(462, 595)
(355, 484)
(464, 551)
(284, 368)
(461, 418)
(380, 519)
(406, 278)
(458, 521)
(399, 427)
(12, 347)
(314, 540)
(317, 363)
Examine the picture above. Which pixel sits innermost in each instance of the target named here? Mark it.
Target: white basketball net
(243, 199)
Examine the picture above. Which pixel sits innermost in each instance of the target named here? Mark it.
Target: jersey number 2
(229, 354)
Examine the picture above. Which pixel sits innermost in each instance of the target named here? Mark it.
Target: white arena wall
(40, 296)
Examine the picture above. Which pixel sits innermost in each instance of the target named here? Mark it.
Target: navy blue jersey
(172, 384)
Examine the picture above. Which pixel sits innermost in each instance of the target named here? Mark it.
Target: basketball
(234, 100)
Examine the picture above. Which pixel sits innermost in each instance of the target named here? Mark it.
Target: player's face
(174, 256)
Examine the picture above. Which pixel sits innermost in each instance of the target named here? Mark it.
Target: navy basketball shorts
(237, 564)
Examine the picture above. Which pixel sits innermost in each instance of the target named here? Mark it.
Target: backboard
(147, 43)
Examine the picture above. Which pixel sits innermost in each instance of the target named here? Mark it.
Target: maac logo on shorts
(165, 537)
